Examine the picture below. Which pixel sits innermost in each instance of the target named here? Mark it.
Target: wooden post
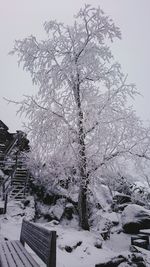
(5, 203)
(3, 191)
(52, 258)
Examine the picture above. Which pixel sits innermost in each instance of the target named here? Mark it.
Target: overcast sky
(21, 18)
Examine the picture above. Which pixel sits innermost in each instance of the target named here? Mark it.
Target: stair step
(17, 195)
(19, 178)
(140, 243)
(18, 198)
(18, 185)
(23, 170)
(17, 189)
(18, 182)
(20, 173)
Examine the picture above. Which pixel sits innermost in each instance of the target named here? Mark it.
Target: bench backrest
(42, 241)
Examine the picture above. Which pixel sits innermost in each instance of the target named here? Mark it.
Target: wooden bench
(42, 241)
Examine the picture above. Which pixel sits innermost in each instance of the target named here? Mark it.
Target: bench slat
(7, 254)
(27, 258)
(13, 254)
(18, 261)
(3, 259)
(41, 240)
(36, 235)
(41, 245)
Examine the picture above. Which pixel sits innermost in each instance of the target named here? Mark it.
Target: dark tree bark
(82, 199)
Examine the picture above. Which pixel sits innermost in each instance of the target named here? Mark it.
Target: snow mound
(135, 217)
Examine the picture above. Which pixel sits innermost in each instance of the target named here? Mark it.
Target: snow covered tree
(79, 119)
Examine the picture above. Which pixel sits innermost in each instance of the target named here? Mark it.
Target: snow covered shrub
(141, 195)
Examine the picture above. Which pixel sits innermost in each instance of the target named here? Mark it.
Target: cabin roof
(3, 126)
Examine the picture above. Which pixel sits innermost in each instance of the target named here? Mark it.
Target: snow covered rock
(103, 197)
(101, 224)
(112, 216)
(113, 262)
(50, 212)
(69, 211)
(58, 210)
(120, 201)
(134, 260)
(134, 218)
(122, 198)
(98, 243)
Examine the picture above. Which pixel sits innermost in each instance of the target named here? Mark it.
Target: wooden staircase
(15, 186)
(14, 182)
(19, 183)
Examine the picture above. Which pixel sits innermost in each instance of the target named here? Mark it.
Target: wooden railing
(6, 153)
(11, 146)
(7, 187)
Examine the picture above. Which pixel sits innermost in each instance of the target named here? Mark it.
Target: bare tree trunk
(82, 199)
(82, 207)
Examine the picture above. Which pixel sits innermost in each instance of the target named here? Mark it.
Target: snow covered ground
(75, 248)
(85, 254)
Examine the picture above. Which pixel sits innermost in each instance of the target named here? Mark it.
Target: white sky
(20, 18)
